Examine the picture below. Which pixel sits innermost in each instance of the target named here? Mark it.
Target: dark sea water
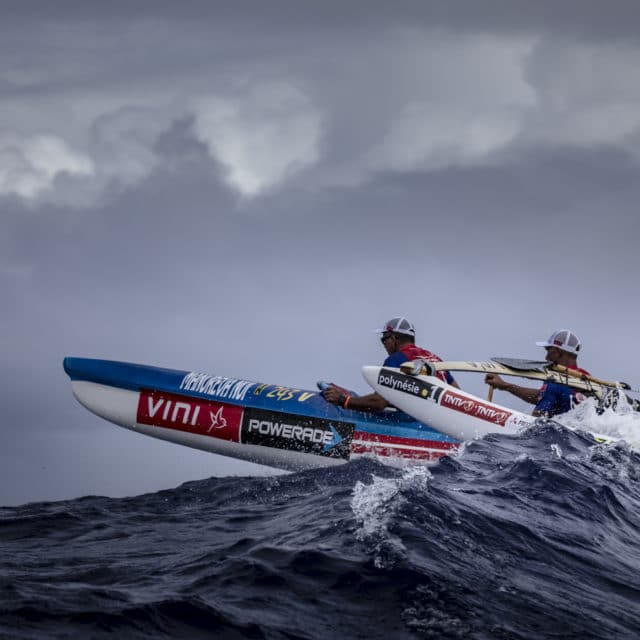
(534, 536)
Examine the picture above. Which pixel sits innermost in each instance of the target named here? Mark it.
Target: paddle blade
(523, 365)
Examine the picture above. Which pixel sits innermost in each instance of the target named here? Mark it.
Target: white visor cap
(563, 339)
(398, 325)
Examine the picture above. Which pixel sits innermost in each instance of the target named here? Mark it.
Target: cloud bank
(403, 98)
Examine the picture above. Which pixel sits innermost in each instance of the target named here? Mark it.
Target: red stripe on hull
(397, 452)
(407, 442)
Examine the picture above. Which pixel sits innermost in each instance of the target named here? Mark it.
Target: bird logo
(218, 421)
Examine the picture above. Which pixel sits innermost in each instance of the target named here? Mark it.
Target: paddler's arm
(451, 380)
(371, 402)
(524, 393)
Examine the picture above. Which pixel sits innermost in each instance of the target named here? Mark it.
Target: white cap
(398, 325)
(562, 339)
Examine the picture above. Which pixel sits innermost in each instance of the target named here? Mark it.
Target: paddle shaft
(585, 376)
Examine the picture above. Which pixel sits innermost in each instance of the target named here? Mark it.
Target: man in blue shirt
(552, 398)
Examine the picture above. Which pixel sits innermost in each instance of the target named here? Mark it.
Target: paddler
(552, 398)
(398, 338)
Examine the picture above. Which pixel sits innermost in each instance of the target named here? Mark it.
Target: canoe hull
(277, 426)
(120, 406)
(457, 413)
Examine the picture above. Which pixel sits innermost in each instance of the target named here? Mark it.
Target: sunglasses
(385, 338)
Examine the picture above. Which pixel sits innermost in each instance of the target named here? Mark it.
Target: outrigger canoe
(415, 389)
(273, 425)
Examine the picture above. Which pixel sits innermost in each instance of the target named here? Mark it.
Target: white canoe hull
(452, 411)
(120, 406)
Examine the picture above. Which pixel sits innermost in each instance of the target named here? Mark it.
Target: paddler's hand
(495, 381)
(334, 394)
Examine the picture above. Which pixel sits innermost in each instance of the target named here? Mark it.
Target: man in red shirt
(398, 338)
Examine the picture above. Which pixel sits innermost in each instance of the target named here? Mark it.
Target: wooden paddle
(585, 376)
(420, 367)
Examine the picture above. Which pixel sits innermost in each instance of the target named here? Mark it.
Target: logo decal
(217, 419)
(335, 441)
(408, 384)
(192, 415)
(297, 433)
(286, 393)
(474, 408)
(219, 386)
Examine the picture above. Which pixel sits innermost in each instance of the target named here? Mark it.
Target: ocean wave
(527, 536)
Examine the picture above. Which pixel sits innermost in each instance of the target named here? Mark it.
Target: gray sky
(249, 188)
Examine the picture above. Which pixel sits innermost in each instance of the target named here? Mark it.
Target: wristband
(346, 401)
